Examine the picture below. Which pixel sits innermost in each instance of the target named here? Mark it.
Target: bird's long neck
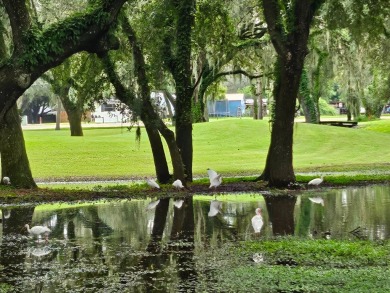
(28, 228)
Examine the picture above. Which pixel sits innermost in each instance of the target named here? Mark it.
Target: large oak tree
(288, 26)
(34, 51)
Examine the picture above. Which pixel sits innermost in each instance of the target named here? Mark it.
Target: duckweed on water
(291, 265)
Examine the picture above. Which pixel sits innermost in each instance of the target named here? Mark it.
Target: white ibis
(178, 203)
(177, 183)
(316, 181)
(38, 231)
(317, 200)
(215, 178)
(257, 221)
(152, 205)
(6, 180)
(152, 183)
(215, 208)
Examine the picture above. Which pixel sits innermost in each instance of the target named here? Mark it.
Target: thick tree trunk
(291, 48)
(74, 117)
(279, 169)
(14, 160)
(184, 90)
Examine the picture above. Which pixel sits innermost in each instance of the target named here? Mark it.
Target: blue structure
(232, 107)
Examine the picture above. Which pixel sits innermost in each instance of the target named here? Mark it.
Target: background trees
(186, 47)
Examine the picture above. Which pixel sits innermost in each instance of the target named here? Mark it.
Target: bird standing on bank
(6, 180)
(215, 178)
(152, 183)
(178, 184)
(316, 181)
(257, 221)
(38, 231)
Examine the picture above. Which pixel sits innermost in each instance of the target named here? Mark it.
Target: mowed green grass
(231, 146)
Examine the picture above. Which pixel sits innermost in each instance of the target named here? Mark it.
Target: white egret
(38, 231)
(316, 181)
(257, 221)
(152, 205)
(215, 178)
(6, 214)
(152, 183)
(178, 203)
(317, 200)
(177, 183)
(215, 208)
(6, 180)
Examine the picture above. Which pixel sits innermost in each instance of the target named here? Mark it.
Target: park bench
(340, 123)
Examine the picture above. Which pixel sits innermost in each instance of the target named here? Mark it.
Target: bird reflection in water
(38, 231)
(317, 200)
(257, 221)
(215, 208)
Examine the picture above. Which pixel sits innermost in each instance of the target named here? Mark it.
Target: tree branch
(238, 71)
(56, 43)
(275, 29)
(19, 19)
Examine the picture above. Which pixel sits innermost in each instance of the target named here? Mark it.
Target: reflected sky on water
(133, 246)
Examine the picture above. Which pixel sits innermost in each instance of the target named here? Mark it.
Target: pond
(169, 246)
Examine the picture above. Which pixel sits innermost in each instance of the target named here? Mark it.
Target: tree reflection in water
(119, 246)
(281, 213)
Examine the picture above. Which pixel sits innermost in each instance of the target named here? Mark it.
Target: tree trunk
(307, 101)
(74, 117)
(279, 171)
(291, 48)
(184, 91)
(159, 158)
(14, 160)
(58, 116)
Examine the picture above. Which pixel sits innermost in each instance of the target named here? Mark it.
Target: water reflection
(123, 246)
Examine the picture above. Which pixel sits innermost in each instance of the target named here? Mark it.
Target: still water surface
(121, 246)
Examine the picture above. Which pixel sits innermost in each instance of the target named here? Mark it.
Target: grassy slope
(231, 146)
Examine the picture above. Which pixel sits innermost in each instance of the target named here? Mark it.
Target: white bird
(6, 214)
(6, 180)
(38, 230)
(215, 178)
(152, 205)
(316, 181)
(178, 203)
(177, 183)
(152, 183)
(318, 200)
(215, 208)
(257, 221)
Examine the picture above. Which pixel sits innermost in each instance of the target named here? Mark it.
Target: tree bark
(14, 160)
(182, 75)
(290, 44)
(74, 117)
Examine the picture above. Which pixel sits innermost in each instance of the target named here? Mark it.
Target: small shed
(232, 106)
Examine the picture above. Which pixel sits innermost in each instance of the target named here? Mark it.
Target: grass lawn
(231, 146)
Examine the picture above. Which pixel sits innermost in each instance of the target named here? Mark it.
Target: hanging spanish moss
(138, 136)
